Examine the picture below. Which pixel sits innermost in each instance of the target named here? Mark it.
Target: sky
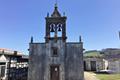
(97, 21)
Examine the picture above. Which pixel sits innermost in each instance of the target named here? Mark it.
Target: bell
(52, 29)
(59, 28)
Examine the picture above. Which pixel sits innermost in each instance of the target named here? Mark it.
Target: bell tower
(55, 26)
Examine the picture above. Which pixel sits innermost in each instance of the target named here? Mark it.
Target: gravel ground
(90, 76)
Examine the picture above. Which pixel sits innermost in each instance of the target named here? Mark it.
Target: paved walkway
(90, 76)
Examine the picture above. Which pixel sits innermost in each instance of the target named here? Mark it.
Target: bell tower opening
(55, 26)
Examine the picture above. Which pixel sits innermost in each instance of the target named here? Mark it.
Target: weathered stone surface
(99, 62)
(37, 62)
(70, 60)
(74, 62)
(55, 59)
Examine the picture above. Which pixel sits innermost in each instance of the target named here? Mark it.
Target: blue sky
(98, 21)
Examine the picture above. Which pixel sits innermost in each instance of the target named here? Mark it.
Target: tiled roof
(9, 52)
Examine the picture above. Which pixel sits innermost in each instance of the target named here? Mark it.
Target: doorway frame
(54, 65)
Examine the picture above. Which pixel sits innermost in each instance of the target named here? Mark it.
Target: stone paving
(89, 76)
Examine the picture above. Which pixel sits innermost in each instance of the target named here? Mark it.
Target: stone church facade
(56, 59)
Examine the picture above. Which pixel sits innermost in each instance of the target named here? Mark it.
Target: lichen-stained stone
(69, 59)
(74, 62)
(55, 59)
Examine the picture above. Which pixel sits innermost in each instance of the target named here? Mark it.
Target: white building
(93, 61)
(112, 55)
(104, 60)
(10, 61)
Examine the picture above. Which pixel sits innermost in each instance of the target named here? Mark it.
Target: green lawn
(108, 76)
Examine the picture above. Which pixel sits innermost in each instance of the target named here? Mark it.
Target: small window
(2, 71)
(54, 51)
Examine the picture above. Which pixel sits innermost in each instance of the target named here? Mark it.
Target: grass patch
(108, 76)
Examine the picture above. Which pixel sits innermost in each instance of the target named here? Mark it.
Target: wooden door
(85, 66)
(93, 65)
(54, 72)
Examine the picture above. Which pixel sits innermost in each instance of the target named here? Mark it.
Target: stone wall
(114, 65)
(99, 63)
(37, 59)
(74, 62)
(69, 59)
